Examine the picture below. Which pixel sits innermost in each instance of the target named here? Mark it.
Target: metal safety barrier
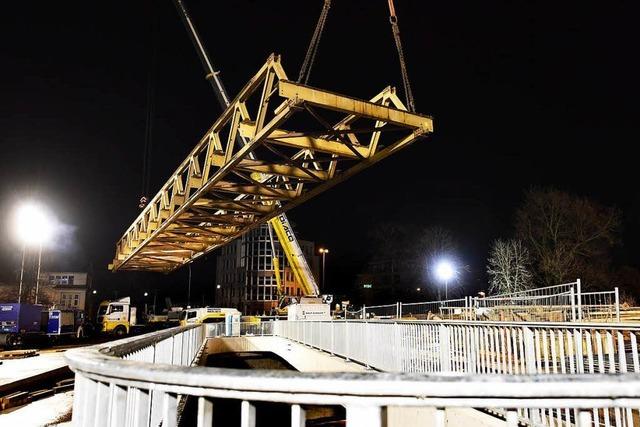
(481, 348)
(141, 381)
(558, 303)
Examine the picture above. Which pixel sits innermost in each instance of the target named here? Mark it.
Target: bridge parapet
(143, 380)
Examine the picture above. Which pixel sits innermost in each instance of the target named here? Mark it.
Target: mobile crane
(311, 305)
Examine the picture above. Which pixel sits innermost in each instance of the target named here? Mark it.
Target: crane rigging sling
(393, 18)
(312, 50)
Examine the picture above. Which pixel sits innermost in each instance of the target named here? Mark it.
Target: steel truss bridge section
(277, 145)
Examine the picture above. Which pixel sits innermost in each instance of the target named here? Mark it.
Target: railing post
(398, 351)
(364, 416)
(512, 418)
(298, 416)
(364, 311)
(573, 304)
(529, 350)
(247, 414)
(347, 355)
(584, 418)
(617, 302)
(205, 411)
(400, 310)
(332, 337)
(445, 351)
(579, 289)
(81, 392)
(439, 418)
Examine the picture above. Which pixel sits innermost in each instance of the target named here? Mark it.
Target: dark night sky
(522, 94)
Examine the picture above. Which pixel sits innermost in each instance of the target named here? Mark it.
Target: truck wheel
(14, 341)
(120, 331)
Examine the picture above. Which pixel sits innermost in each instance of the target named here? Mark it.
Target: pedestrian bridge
(393, 373)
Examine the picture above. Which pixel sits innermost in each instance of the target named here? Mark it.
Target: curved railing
(142, 381)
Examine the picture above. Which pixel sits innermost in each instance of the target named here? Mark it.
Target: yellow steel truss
(288, 153)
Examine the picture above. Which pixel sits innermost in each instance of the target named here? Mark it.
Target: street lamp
(33, 227)
(324, 252)
(445, 270)
(146, 308)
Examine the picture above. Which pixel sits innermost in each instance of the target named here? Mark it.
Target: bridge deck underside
(277, 145)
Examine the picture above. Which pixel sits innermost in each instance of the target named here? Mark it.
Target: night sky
(522, 94)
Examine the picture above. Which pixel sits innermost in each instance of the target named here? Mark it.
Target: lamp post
(324, 252)
(33, 228)
(445, 271)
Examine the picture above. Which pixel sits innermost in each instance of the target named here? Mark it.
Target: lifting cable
(403, 66)
(148, 131)
(312, 50)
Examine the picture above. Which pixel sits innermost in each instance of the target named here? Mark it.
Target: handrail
(197, 381)
(131, 344)
(113, 391)
(505, 323)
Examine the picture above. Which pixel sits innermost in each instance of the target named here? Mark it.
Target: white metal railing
(99, 402)
(558, 303)
(482, 348)
(122, 384)
(472, 347)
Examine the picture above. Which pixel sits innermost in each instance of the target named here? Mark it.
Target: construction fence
(558, 303)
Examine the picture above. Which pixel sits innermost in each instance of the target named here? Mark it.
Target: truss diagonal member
(224, 188)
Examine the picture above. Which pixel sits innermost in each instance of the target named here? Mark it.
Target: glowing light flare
(33, 226)
(445, 270)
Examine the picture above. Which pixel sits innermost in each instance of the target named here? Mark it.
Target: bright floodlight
(33, 227)
(445, 271)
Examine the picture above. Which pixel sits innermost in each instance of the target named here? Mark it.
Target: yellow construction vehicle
(311, 306)
(207, 315)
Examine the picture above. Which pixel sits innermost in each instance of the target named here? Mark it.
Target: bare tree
(509, 267)
(568, 236)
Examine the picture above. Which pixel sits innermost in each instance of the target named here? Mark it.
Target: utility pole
(38, 275)
(189, 288)
(324, 252)
(24, 249)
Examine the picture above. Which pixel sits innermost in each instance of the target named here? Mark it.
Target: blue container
(61, 322)
(20, 318)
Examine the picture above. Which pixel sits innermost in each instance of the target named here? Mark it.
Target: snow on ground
(15, 369)
(51, 411)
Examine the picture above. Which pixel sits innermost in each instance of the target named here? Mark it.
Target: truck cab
(206, 315)
(116, 317)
